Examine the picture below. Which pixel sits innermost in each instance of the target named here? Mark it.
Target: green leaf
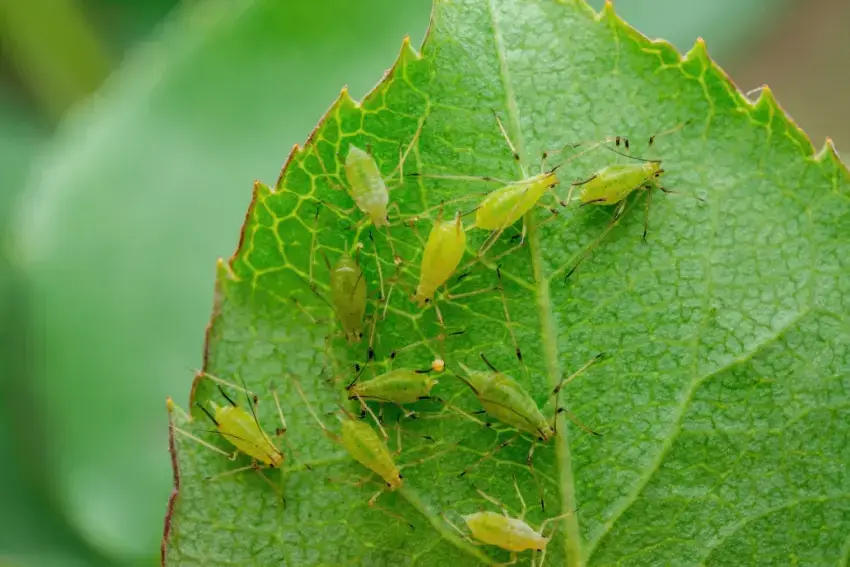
(723, 404)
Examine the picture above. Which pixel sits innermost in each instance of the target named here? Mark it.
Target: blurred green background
(130, 134)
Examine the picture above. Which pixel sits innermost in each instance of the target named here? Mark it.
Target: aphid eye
(427, 300)
(400, 475)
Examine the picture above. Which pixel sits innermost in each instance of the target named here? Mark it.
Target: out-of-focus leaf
(140, 192)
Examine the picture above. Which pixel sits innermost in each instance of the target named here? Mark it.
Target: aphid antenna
(489, 365)
(206, 411)
(252, 400)
(624, 154)
(466, 381)
(221, 381)
(226, 397)
(360, 370)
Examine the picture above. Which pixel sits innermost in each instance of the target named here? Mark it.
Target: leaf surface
(722, 405)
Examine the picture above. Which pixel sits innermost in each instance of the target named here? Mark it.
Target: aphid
(368, 188)
(612, 185)
(348, 296)
(506, 532)
(443, 252)
(506, 400)
(398, 386)
(502, 207)
(364, 445)
(242, 429)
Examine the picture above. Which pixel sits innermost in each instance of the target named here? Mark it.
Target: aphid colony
(502, 398)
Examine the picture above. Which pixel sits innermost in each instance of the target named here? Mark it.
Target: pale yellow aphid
(503, 531)
(443, 252)
(438, 365)
(367, 186)
(241, 429)
(364, 446)
(511, 534)
(503, 207)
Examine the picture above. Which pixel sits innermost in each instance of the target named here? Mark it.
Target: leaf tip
(699, 52)
(407, 51)
(829, 154)
(224, 270)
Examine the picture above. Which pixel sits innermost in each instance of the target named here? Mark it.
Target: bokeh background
(130, 134)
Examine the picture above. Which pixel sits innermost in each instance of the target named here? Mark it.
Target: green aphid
(398, 386)
(348, 296)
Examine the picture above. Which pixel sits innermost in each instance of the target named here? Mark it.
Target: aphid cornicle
(398, 386)
(366, 186)
(443, 252)
(348, 296)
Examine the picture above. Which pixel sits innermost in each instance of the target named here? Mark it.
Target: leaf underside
(723, 404)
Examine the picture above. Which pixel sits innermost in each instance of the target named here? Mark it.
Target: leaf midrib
(572, 533)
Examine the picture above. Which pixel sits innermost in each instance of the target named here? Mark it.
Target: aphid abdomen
(348, 295)
(241, 430)
(400, 386)
(507, 533)
(443, 252)
(504, 206)
(614, 183)
(366, 185)
(503, 398)
(364, 445)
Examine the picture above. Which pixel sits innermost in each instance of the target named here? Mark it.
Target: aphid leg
(488, 455)
(567, 379)
(281, 431)
(402, 156)
(521, 499)
(646, 212)
(252, 466)
(614, 220)
(509, 323)
(326, 431)
(576, 420)
(451, 407)
(378, 421)
(514, 559)
(492, 500)
(542, 528)
(393, 515)
(460, 531)
(331, 184)
(232, 456)
(514, 153)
